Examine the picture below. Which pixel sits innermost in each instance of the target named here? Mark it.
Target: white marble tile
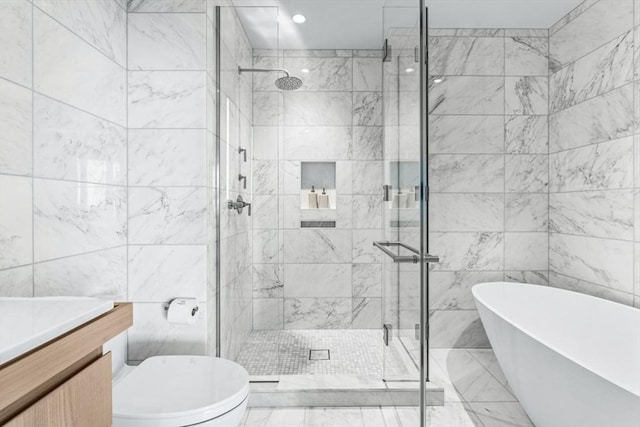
(268, 313)
(71, 218)
(317, 313)
(160, 273)
(16, 231)
(606, 68)
(607, 165)
(335, 417)
(367, 178)
(101, 23)
(268, 280)
(523, 276)
(367, 143)
(268, 108)
(266, 246)
(167, 5)
(601, 261)
(275, 417)
(167, 215)
(265, 177)
(167, 157)
(465, 134)
(317, 280)
(15, 41)
(526, 212)
(526, 134)
(604, 21)
(317, 142)
(323, 74)
(526, 95)
(451, 290)
(318, 109)
(367, 211)
(265, 143)
(468, 251)
(458, 32)
(466, 212)
(15, 139)
(97, 274)
(80, 82)
(167, 41)
(17, 282)
(526, 56)
(573, 14)
(599, 119)
(367, 313)
(562, 281)
(456, 328)
(367, 74)
(363, 250)
(367, 108)
(526, 251)
(167, 99)
(264, 212)
(152, 335)
(367, 280)
(317, 246)
(606, 214)
(456, 56)
(526, 173)
(73, 145)
(456, 173)
(467, 95)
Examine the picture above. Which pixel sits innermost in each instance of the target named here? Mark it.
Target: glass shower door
(405, 278)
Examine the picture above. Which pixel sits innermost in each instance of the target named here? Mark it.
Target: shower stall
(330, 288)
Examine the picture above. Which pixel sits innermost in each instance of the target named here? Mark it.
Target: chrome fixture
(386, 189)
(243, 151)
(243, 178)
(283, 83)
(398, 259)
(239, 205)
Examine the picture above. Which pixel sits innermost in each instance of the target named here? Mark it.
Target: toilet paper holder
(194, 311)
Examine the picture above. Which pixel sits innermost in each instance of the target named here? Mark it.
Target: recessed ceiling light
(305, 70)
(409, 70)
(299, 18)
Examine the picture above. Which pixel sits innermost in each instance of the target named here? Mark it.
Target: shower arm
(263, 70)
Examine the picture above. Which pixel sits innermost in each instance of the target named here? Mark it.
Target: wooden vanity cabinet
(65, 382)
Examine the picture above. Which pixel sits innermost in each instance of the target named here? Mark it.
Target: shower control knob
(239, 205)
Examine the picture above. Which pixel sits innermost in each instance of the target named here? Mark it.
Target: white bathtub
(572, 360)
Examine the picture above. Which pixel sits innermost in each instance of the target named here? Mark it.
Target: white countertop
(26, 323)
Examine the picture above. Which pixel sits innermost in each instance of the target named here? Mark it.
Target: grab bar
(414, 259)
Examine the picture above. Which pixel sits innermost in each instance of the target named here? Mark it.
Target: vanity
(52, 368)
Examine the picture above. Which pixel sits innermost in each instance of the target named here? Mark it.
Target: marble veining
(606, 68)
(102, 23)
(15, 139)
(72, 218)
(466, 173)
(457, 56)
(312, 246)
(367, 108)
(80, 82)
(468, 251)
(467, 95)
(15, 40)
(166, 215)
(526, 212)
(526, 95)
(166, 6)
(268, 280)
(317, 313)
(325, 74)
(526, 173)
(527, 56)
(466, 212)
(73, 145)
(164, 99)
(465, 134)
(167, 41)
(526, 134)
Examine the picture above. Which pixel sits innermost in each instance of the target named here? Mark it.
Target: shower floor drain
(319, 355)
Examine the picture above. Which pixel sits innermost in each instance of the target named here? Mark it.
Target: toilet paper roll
(183, 311)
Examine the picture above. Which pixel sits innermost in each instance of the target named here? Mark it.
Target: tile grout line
(33, 213)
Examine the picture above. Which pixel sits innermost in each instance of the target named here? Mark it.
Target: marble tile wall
(488, 170)
(63, 156)
(593, 140)
(317, 278)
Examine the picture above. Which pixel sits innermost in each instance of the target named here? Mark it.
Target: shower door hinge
(386, 51)
(387, 328)
(416, 54)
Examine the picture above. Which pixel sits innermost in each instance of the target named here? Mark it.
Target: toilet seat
(174, 391)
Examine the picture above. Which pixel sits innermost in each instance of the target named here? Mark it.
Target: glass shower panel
(402, 157)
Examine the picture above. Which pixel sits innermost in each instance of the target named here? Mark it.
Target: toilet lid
(168, 391)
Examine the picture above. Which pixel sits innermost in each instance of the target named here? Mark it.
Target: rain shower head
(283, 83)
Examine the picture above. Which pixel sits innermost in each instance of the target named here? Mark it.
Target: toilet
(179, 391)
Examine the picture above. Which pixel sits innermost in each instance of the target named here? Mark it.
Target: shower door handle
(399, 259)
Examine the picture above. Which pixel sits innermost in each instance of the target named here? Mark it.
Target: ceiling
(360, 24)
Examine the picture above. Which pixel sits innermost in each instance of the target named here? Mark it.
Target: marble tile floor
(476, 395)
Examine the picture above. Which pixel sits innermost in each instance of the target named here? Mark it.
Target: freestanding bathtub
(572, 360)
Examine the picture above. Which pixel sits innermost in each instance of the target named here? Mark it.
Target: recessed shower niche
(318, 185)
